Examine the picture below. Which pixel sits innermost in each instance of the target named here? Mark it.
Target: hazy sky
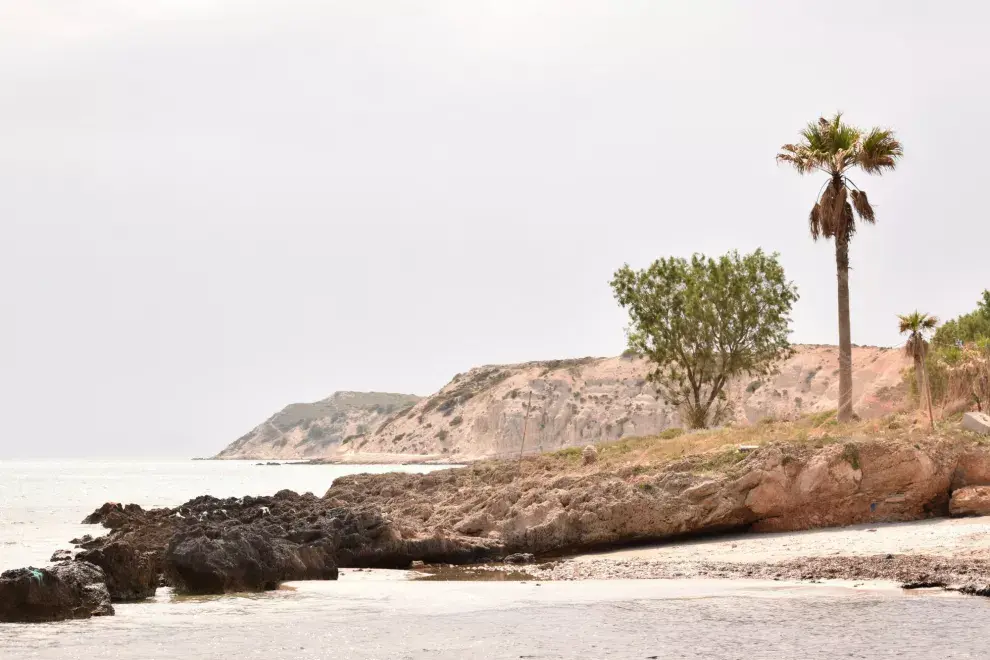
(210, 209)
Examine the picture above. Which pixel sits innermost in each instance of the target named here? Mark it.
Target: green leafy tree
(836, 148)
(917, 327)
(966, 328)
(703, 321)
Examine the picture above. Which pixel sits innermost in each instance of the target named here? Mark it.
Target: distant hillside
(576, 402)
(315, 430)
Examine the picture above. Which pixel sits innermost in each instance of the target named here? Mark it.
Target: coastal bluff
(487, 411)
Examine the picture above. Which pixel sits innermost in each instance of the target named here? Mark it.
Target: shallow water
(364, 618)
(381, 614)
(43, 502)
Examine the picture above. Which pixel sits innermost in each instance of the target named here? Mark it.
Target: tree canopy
(703, 321)
(831, 146)
(968, 327)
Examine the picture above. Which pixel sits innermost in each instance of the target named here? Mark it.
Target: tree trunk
(928, 393)
(919, 375)
(845, 336)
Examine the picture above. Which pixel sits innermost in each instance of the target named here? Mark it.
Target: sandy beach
(938, 552)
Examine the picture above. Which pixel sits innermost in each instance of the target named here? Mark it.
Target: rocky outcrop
(319, 429)
(242, 559)
(554, 503)
(772, 488)
(130, 574)
(209, 545)
(970, 501)
(483, 413)
(70, 590)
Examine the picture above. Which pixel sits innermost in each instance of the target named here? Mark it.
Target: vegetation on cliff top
(717, 450)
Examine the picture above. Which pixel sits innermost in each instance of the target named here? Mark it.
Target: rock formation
(131, 574)
(482, 413)
(217, 561)
(547, 504)
(69, 590)
(970, 501)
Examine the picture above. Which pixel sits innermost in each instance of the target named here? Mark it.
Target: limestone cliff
(312, 430)
(483, 412)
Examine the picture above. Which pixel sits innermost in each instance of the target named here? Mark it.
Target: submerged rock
(70, 590)
(131, 575)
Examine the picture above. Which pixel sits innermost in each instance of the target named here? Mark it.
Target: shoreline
(948, 553)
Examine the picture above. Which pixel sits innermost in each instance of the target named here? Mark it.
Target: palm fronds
(834, 147)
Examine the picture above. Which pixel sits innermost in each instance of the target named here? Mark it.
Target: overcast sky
(211, 209)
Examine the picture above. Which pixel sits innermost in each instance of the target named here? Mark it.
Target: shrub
(456, 421)
(671, 433)
(850, 454)
(755, 385)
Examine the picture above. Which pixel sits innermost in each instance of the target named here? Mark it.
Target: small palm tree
(917, 326)
(836, 148)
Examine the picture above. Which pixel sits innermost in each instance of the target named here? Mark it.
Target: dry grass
(716, 450)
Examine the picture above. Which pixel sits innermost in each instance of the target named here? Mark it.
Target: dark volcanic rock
(520, 558)
(85, 538)
(131, 574)
(70, 590)
(112, 515)
(61, 555)
(242, 559)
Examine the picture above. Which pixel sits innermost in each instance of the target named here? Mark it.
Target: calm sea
(379, 614)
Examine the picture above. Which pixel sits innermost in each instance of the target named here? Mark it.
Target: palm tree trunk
(928, 393)
(919, 375)
(845, 335)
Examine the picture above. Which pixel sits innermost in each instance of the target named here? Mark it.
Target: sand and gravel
(942, 552)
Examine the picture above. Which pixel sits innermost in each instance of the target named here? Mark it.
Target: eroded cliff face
(483, 413)
(312, 430)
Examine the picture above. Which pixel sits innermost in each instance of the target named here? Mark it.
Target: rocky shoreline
(556, 505)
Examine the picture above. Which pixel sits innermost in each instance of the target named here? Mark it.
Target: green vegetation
(671, 433)
(457, 421)
(850, 454)
(955, 370)
(836, 148)
(703, 321)
(967, 328)
(918, 326)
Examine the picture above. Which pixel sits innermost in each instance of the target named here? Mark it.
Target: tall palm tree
(918, 326)
(836, 148)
